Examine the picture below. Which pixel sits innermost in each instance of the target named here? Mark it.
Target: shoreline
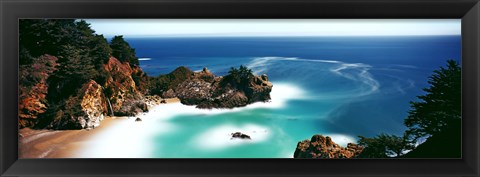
(117, 135)
(44, 143)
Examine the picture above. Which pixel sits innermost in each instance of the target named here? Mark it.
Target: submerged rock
(240, 135)
(138, 119)
(323, 147)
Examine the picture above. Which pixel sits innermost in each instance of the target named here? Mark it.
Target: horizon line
(262, 36)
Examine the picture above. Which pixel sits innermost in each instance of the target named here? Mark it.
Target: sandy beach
(66, 143)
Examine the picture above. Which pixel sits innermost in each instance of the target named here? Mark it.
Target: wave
(280, 95)
(357, 72)
(342, 139)
(144, 59)
(125, 138)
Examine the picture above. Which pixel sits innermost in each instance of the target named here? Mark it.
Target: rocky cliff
(125, 94)
(85, 110)
(122, 91)
(323, 147)
(32, 93)
(205, 90)
(68, 75)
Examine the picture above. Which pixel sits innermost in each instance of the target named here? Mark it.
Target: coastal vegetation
(63, 63)
(205, 90)
(435, 117)
(70, 78)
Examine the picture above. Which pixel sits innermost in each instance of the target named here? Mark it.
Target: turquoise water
(341, 87)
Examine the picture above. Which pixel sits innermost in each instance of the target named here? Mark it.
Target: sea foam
(281, 93)
(125, 138)
(221, 136)
(356, 72)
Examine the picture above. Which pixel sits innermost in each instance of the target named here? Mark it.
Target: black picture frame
(467, 10)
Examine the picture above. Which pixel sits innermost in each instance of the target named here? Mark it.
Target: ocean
(341, 87)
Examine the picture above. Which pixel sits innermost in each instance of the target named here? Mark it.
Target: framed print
(222, 88)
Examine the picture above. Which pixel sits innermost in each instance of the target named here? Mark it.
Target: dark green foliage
(440, 105)
(446, 144)
(437, 114)
(75, 69)
(39, 69)
(374, 148)
(42, 36)
(81, 55)
(24, 56)
(99, 50)
(238, 77)
(384, 145)
(122, 51)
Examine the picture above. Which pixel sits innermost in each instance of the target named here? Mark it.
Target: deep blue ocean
(337, 86)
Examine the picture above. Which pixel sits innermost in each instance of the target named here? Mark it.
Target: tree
(100, 51)
(384, 145)
(122, 50)
(76, 69)
(46, 36)
(373, 148)
(240, 76)
(439, 106)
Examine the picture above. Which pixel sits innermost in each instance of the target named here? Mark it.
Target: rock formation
(205, 90)
(31, 100)
(323, 147)
(85, 110)
(86, 107)
(67, 76)
(125, 96)
(240, 135)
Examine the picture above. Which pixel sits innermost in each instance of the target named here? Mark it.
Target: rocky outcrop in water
(323, 147)
(240, 135)
(205, 90)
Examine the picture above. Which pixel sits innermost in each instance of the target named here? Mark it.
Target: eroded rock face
(87, 107)
(93, 103)
(207, 91)
(133, 104)
(125, 93)
(119, 82)
(85, 110)
(323, 147)
(32, 96)
(194, 91)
